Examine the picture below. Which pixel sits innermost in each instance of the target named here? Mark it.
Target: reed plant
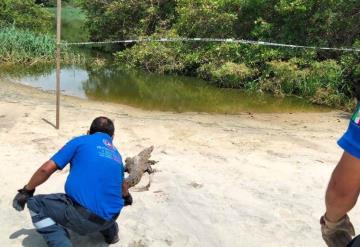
(19, 46)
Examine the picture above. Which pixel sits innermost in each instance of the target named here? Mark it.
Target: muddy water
(150, 91)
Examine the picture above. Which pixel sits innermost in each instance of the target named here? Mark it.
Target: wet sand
(221, 180)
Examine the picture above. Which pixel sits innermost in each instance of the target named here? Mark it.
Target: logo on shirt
(108, 144)
(356, 116)
(109, 151)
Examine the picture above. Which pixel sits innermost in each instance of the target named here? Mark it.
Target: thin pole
(58, 40)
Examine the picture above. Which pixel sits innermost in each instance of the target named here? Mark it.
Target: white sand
(241, 180)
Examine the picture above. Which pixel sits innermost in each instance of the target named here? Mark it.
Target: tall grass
(21, 46)
(26, 47)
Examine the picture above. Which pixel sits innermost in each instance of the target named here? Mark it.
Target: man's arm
(125, 189)
(343, 189)
(58, 161)
(39, 177)
(42, 174)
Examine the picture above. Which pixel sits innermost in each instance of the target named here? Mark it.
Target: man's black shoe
(112, 240)
(111, 234)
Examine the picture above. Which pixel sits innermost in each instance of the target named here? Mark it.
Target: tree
(122, 19)
(24, 14)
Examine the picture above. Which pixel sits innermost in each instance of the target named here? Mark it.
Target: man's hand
(337, 234)
(128, 200)
(126, 194)
(22, 197)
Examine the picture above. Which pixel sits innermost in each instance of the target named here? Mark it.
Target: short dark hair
(102, 124)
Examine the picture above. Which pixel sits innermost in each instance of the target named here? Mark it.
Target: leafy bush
(153, 57)
(72, 24)
(282, 78)
(331, 89)
(25, 14)
(204, 18)
(229, 74)
(328, 74)
(52, 3)
(320, 82)
(127, 19)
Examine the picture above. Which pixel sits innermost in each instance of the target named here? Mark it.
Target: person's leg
(52, 213)
(47, 214)
(111, 234)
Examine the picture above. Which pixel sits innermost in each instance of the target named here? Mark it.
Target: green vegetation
(73, 24)
(52, 3)
(323, 77)
(27, 33)
(127, 19)
(22, 46)
(24, 14)
(19, 46)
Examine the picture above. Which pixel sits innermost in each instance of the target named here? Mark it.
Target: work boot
(111, 234)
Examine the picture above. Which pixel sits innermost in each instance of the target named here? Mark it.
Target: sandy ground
(239, 180)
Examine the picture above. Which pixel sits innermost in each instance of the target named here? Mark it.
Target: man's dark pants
(355, 242)
(53, 214)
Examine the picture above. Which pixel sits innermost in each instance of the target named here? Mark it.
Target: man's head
(102, 124)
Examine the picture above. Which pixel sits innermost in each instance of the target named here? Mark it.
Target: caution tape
(240, 41)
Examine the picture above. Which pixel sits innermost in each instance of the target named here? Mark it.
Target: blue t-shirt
(350, 141)
(96, 173)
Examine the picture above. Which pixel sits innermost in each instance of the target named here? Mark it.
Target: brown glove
(337, 234)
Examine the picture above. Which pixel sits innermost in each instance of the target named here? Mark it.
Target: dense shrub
(72, 24)
(321, 82)
(328, 83)
(229, 74)
(153, 57)
(25, 14)
(204, 18)
(52, 3)
(127, 19)
(283, 78)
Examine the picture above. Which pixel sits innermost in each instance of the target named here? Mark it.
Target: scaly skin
(138, 165)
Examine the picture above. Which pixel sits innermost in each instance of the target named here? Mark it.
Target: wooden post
(58, 57)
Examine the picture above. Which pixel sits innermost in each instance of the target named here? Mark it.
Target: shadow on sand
(344, 115)
(34, 239)
(48, 122)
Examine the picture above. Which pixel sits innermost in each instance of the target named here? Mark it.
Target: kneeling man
(95, 191)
